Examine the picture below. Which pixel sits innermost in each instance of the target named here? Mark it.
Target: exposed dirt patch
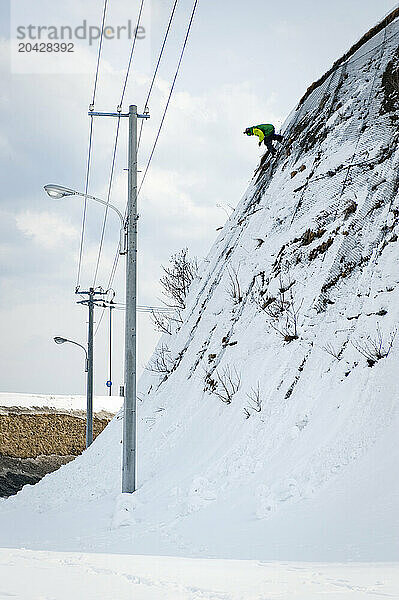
(320, 249)
(309, 236)
(350, 209)
(33, 435)
(390, 86)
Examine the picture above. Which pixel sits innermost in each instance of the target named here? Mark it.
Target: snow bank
(109, 404)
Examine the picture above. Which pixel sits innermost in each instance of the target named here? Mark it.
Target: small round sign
(109, 383)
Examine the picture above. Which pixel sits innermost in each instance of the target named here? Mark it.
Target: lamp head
(60, 340)
(58, 191)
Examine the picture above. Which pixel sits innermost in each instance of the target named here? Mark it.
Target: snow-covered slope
(297, 458)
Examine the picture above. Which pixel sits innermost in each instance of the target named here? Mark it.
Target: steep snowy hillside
(270, 430)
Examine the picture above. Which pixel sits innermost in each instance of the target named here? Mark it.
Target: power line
(100, 46)
(116, 258)
(108, 199)
(139, 308)
(131, 53)
(170, 95)
(90, 145)
(83, 226)
(156, 69)
(116, 145)
(110, 282)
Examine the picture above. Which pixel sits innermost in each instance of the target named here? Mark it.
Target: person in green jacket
(265, 133)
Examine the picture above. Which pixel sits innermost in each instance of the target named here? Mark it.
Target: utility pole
(111, 306)
(129, 408)
(90, 302)
(129, 414)
(90, 357)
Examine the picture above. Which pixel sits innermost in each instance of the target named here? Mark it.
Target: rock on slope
(269, 429)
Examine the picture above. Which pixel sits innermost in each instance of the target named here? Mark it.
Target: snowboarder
(265, 133)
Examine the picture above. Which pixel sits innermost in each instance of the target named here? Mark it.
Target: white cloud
(46, 229)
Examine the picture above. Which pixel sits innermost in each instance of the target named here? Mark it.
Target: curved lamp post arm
(118, 212)
(60, 340)
(59, 191)
(122, 233)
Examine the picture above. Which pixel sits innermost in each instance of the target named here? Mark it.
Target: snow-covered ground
(42, 401)
(63, 576)
(180, 511)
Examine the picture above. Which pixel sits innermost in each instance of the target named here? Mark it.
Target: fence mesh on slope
(363, 177)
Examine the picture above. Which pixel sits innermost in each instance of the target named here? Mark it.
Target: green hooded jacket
(261, 131)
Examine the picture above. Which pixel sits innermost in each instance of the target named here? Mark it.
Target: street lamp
(61, 340)
(56, 192)
(89, 388)
(59, 191)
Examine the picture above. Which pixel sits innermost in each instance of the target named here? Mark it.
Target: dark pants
(268, 141)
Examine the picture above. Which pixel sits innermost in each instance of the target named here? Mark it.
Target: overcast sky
(245, 63)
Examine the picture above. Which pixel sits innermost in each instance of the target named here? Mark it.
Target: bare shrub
(230, 208)
(234, 289)
(224, 384)
(282, 310)
(163, 321)
(329, 348)
(175, 284)
(210, 383)
(254, 401)
(375, 348)
(177, 279)
(161, 361)
(247, 413)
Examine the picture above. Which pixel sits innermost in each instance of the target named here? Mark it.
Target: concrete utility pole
(129, 414)
(90, 362)
(129, 410)
(90, 357)
(109, 383)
